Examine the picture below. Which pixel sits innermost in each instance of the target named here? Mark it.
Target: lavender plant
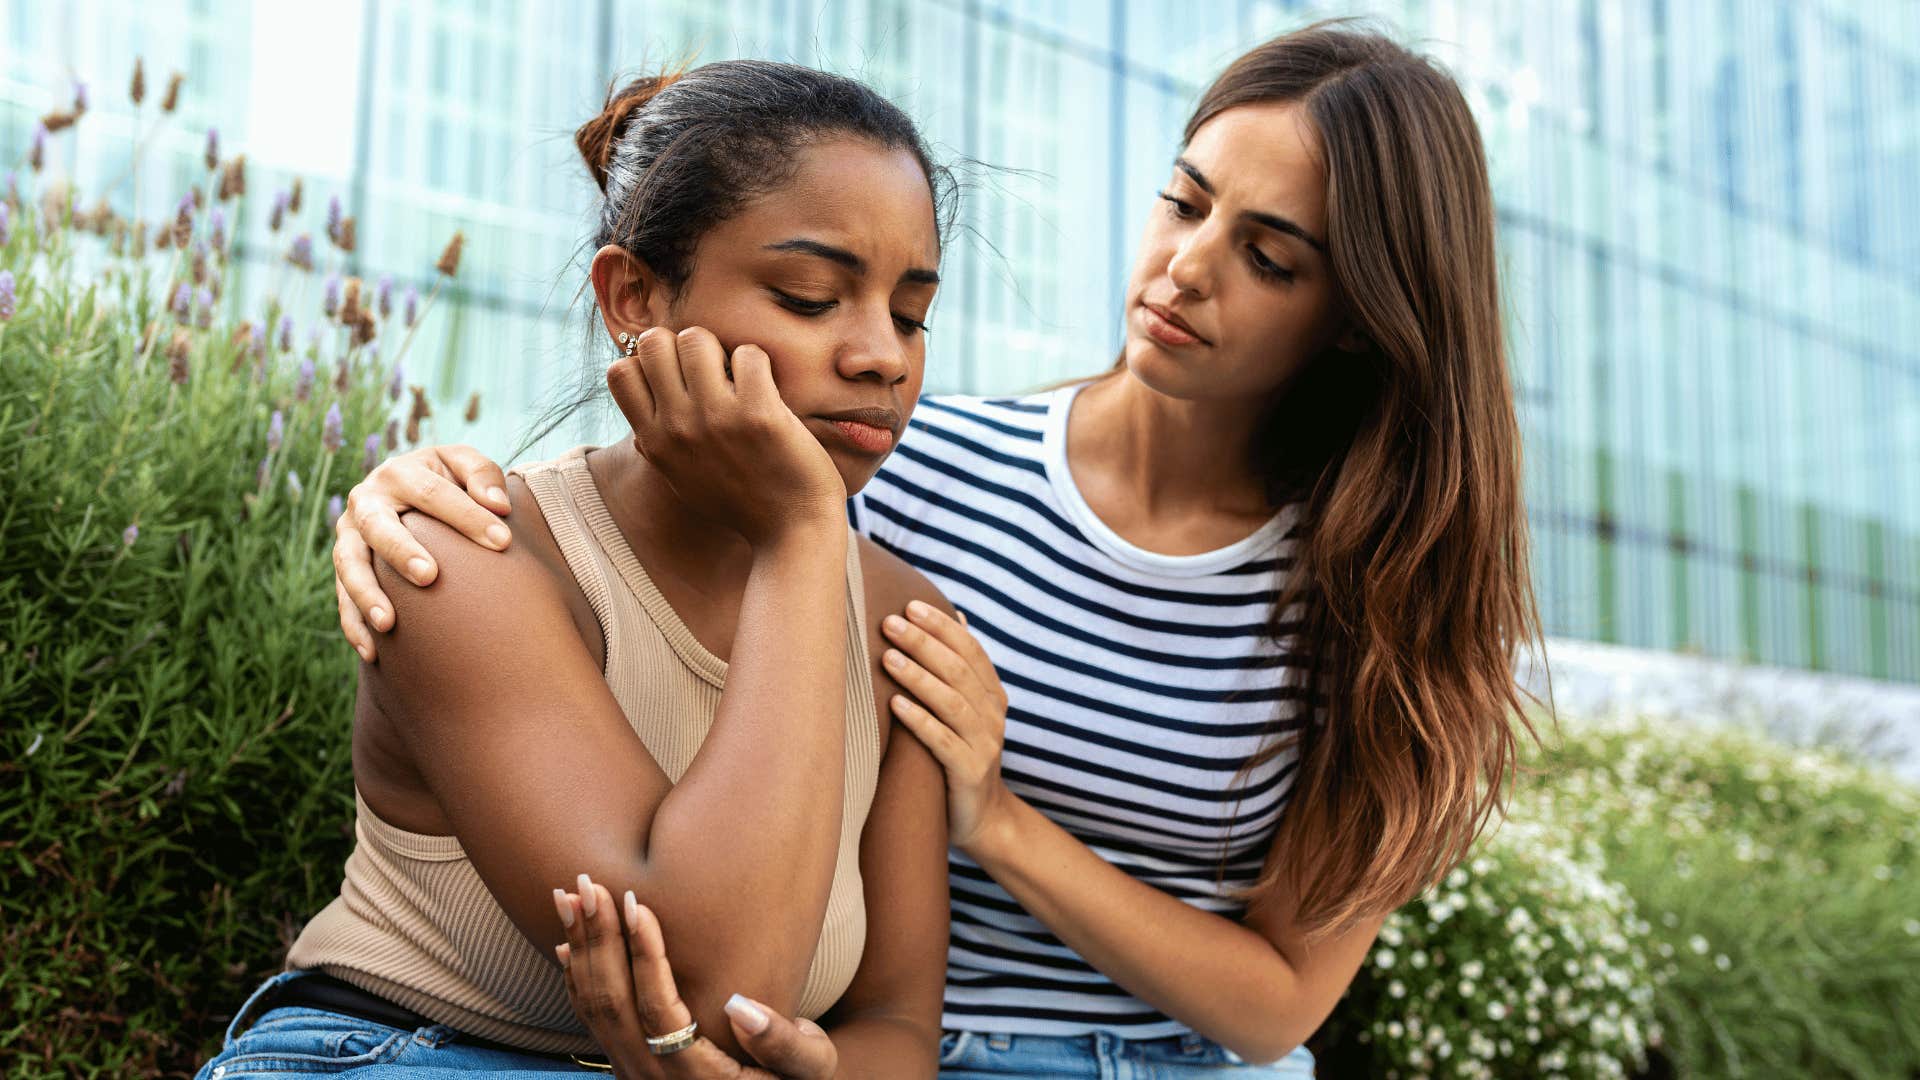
(175, 784)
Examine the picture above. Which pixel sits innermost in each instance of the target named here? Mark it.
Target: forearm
(740, 853)
(1215, 975)
(885, 1046)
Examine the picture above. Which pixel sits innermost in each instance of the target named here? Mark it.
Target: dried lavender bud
(346, 238)
(212, 154)
(286, 333)
(350, 302)
(303, 385)
(391, 440)
(383, 294)
(301, 254)
(203, 309)
(413, 431)
(182, 306)
(183, 222)
(198, 263)
(37, 151)
(217, 229)
(233, 178)
(473, 407)
(277, 216)
(293, 195)
(333, 218)
(7, 298)
(171, 99)
(397, 384)
(331, 436)
(342, 376)
(449, 263)
(138, 91)
(330, 296)
(128, 535)
(79, 97)
(412, 306)
(370, 453)
(177, 353)
(364, 328)
(335, 507)
(276, 431)
(57, 121)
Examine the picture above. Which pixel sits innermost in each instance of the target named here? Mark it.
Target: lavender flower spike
(384, 293)
(279, 214)
(213, 148)
(286, 333)
(371, 456)
(37, 152)
(412, 305)
(79, 97)
(294, 485)
(6, 224)
(203, 308)
(398, 383)
(276, 431)
(129, 535)
(303, 387)
(301, 254)
(7, 300)
(330, 299)
(333, 218)
(217, 223)
(183, 304)
(331, 436)
(335, 507)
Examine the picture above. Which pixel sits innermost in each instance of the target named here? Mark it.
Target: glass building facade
(1709, 224)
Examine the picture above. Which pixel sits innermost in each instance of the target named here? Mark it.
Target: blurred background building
(1709, 215)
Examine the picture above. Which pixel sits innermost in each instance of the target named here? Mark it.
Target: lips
(870, 430)
(1167, 316)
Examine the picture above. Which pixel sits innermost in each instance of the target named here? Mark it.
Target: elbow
(1262, 1051)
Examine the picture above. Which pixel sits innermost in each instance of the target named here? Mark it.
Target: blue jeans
(974, 1055)
(295, 1041)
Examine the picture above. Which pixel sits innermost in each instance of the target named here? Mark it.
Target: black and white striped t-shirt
(1139, 685)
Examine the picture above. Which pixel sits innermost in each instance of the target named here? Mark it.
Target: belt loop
(1191, 1043)
(1000, 1040)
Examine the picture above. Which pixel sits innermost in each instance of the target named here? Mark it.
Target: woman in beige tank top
(681, 701)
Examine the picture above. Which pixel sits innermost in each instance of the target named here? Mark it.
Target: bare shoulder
(892, 582)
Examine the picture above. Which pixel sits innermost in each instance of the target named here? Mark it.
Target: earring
(628, 342)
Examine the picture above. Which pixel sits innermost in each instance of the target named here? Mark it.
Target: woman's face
(832, 274)
(1233, 291)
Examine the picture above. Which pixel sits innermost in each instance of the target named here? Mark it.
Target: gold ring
(674, 1042)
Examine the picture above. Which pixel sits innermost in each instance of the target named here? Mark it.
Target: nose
(875, 350)
(1191, 267)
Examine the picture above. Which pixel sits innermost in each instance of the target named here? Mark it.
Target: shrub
(1784, 886)
(175, 792)
(1525, 962)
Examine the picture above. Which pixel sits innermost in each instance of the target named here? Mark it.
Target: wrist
(804, 534)
(999, 827)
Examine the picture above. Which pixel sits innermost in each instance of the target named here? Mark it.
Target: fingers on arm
(480, 475)
(951, 631)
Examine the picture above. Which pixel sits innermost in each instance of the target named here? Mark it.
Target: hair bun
(598, 137)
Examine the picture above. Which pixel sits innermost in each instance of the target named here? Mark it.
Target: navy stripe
(1012, 461)
(997, 425)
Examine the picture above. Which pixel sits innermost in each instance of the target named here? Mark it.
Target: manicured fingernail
(564, 953)
(497, 495)
(565, 909)
(633, 912)
(497, 535)
(919, 610)
(378, 616)
(366, 654)
(418, 569)
(894, 624)
(748, 1014)
(962, 614)
(894, 658)
(588, 901)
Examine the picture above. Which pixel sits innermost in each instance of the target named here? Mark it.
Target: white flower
(1723, 962)
(1383, 959)
(1496, 1010)
(1473, 969)
(1396, 989)
(1913, 927)
(1698, 944)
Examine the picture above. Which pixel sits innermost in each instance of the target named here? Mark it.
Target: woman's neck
(667, 536)
(1137, 454)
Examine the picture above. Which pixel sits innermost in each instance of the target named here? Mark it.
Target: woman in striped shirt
(1236, 673)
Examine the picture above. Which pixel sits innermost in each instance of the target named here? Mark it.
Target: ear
(631, 296)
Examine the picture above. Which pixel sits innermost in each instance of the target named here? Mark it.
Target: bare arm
(543, 778)
(1255, 986)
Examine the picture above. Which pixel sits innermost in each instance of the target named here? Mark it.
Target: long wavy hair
(1410, 592)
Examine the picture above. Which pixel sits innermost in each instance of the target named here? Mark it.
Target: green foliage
(175, 783)
(1782, 885)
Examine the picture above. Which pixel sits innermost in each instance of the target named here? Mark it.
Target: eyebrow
(915, 275)
(1275, 222)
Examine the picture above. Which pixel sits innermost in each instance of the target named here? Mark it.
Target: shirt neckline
(1060, 475)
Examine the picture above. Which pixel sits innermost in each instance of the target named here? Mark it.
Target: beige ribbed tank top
(415, 924)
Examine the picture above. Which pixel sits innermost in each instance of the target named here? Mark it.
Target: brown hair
(1410, 590)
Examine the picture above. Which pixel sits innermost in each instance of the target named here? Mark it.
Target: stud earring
(628, 342)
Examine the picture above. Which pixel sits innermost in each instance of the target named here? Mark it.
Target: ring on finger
(674, 1041)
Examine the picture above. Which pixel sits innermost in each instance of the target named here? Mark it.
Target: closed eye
(1266, 267)
(1179, 208)
(801, 305)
